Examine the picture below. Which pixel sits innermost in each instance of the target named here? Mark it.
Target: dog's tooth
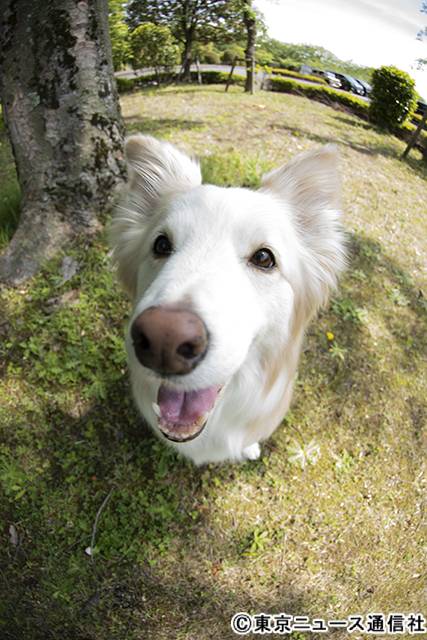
(156, 409)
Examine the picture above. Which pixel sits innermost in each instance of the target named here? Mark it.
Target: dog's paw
(253, 452)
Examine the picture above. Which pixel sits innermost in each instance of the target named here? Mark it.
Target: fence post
(230, 74)
(413, 139)
(253, 75)
(199, 75)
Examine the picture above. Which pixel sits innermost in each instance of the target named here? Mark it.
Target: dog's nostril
(188, 350)
(141, 340)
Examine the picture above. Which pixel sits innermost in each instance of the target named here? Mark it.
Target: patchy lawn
(329, 523)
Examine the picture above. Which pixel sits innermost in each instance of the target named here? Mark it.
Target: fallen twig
(89, 550)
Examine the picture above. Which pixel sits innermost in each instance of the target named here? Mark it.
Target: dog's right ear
(310, 187)
(155, 169)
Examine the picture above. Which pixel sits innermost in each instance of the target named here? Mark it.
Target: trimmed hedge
(125, 85)
(331, 98)
(218, 77)
(322, 94)
(296, 74)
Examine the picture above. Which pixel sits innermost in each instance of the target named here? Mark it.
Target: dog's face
(218, 276)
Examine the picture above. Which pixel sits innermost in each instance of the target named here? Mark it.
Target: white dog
(224, 282)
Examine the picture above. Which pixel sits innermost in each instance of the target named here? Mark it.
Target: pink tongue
(185, 407)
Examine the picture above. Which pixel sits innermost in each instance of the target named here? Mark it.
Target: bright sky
(369, 32)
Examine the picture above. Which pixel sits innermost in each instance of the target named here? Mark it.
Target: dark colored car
(421, 107)
(366, 86)
(348, 83)
(331, 79)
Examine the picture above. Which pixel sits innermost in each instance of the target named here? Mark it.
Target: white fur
(256, 319)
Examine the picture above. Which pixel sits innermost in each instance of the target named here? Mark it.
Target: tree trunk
(186, 56)
(249, 19)
(62, 115)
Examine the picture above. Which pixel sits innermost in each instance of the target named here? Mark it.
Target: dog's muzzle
(172, 341)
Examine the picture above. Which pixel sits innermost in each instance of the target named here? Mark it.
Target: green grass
(10, 194)
(327, 523)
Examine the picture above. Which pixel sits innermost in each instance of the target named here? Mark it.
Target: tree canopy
(119, 33)
(422, 33)
(292, 55)
(208, 20)
(191, 21)
(153, 45)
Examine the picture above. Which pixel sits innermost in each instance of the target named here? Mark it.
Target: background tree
(191, 22)
(62, 115)
(249, 19)
(231, 52)
(422, 33)
(119, 33)
(291, 56)
(207, 53)
(154, 46)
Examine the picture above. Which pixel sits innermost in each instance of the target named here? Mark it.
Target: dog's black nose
(169, 340)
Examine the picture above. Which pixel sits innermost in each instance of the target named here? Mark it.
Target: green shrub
(217, 77)
(233, 51)
(392, 98)
(153, 45)
(125, 85)
(208, 54)
(263, 57)
(322, 94)
(10, 200)
(288, 63)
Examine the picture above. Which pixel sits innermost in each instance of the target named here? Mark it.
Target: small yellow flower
(330, 335)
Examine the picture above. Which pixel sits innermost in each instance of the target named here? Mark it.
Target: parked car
(421, 106)
(366, 86)
(348, 83)
(330, 77)
(306, 70)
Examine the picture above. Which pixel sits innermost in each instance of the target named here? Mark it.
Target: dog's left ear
(156, 167)
(310, 187)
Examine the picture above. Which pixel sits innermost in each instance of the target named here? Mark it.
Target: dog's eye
(263, 258)
(162, 246)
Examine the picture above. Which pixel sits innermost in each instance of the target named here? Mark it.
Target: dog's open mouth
(182, 415)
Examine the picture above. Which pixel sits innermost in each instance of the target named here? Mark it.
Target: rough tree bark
(187, 58)
(189, 30)
(62, 114)
(249, 19)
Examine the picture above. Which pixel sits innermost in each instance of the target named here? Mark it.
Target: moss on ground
(328, 523)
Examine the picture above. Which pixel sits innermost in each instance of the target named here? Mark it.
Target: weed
(347, 310)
